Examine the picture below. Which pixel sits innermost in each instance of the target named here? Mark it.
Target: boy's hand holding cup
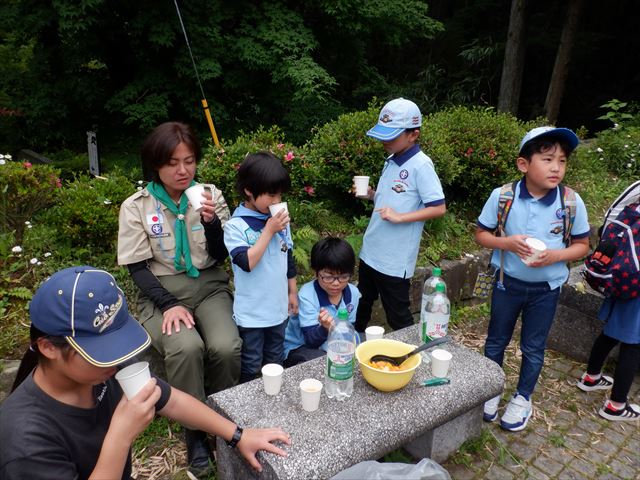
(537, 247)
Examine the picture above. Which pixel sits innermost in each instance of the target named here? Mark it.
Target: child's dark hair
(333, 254)
(545, 144)
(160, 144)
(33, 356)
(262, 172)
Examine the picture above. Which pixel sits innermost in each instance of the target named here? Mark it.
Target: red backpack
(613, 269)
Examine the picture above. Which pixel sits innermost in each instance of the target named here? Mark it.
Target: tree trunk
(561, 67)
(513, 65)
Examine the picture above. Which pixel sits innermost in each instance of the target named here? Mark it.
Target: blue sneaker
(490, 412)
(517, 414)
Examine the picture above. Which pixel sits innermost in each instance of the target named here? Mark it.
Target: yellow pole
(205, 105)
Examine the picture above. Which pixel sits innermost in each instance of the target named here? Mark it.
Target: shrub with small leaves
(25, 190)
(619, 150)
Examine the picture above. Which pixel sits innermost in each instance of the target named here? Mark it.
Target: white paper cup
(310, 390)
(440, 361)
(133, 378)
(374, 332)
(194, 194)
(362, 185)
(537, 246)
(274, 209)
(272, 377)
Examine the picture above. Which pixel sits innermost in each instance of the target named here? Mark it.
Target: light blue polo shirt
(261, 296)
(540, 218)
(408, 183)
(311, 297)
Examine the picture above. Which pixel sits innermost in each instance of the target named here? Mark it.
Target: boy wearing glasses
(333, 261)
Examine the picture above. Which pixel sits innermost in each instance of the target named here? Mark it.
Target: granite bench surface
(365, 426)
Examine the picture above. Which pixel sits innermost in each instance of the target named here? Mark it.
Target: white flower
(626, 146)
(615, 126)
(1, 155)
(16, 249)
(27, 222)
(139, 188)
(601, 158)
(140, 182)
(33, 261)
(39, 263)
(7, 156)
(29, 226)
(47, 255)
(2, 162)
(599, 150)
(628, 165)
(107, 202)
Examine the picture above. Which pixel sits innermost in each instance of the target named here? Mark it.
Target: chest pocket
(163, 243)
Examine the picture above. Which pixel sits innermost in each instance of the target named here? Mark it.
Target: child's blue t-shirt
(540, 218)
(311, 298)
(408, 183)
(261, 297)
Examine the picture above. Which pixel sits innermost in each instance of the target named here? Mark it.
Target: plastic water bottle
(430, 285)
(341, 348)
(434, 318)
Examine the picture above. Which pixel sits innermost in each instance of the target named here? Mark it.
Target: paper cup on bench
(537, 247)
(272, 378)
(194, 194)
(374, 332)
(310, 390)
(440, 362)
(133, 378)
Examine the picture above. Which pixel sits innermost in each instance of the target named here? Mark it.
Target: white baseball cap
(564, 133)
(395, 117)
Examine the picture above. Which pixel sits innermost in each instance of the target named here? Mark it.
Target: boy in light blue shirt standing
(532, 290)
(264, 271)
(333, 262)
(408, 193)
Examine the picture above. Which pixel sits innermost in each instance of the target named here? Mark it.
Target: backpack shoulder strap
(568, 205)
(507, 193)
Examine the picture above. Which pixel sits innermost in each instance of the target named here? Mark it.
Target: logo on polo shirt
(404, 174)
(398, 188)
(350, 307)
(251, 236)
(556, 230)
(560, 213)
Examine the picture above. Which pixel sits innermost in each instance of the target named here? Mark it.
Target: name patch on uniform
(155, 218)
(195, 228)
(251, 236)
(160, 235)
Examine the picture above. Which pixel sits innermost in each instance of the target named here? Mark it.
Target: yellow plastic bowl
(387, 381)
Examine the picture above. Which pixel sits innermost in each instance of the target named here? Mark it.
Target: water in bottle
(429, 286)
(434, 318)
(341, 348)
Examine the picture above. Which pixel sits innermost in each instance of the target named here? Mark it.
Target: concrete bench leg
(441, 442)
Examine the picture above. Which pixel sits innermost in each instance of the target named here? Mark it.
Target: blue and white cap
(564, 133)
(85, 306)
(395, 117)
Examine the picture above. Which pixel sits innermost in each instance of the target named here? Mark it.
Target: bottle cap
(436, 272)
(343, 314)
(440, 287)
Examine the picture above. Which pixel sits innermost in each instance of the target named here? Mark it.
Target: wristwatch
(237, 435)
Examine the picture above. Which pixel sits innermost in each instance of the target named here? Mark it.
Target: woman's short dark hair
(160, 144)
(545, 144)
(333, 254)
(262, 172)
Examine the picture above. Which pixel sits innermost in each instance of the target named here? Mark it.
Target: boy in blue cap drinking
(408, 193)
(540, 208)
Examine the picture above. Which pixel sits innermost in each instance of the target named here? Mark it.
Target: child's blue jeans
(259, 347)
(537, 303)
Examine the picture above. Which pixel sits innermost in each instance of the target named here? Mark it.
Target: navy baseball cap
(564, 133)
(85, 306)
(395, 117)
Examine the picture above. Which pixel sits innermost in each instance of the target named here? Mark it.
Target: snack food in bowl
(387, 381)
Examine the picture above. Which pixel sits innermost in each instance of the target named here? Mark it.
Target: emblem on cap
(106, 313)
(385, 118)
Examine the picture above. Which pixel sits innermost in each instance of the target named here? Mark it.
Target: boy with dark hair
(333, 261)
(408, 193)
(537, 210)
(264, 271)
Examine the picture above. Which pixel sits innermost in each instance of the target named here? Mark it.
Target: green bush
(86, 215)
(474, 150)
(619, 150)
(26, 190)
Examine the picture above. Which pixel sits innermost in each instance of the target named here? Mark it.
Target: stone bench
(429, 422)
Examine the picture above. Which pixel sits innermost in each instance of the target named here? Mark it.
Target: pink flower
(280, 146)
(492, 153)
(469, 152)
(27, 165)
(237, 166)
(310, 190)
(289, 156)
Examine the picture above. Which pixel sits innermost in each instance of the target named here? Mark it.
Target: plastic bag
(426, 469)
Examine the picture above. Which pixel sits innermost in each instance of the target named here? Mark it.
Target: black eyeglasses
(332, 278)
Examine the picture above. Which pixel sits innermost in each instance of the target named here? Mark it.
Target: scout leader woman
(173, 254)
(67, 416)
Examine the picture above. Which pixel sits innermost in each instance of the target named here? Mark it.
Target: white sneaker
(517, 414)
(491, 409)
